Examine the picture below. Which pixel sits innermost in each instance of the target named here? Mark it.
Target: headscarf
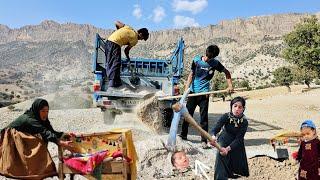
(36, 106)
(234, 119)
(30, 122)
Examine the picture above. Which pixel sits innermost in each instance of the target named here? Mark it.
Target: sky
(153, 14)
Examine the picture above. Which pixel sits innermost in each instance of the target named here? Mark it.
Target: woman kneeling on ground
(23, 144)
(232, 160)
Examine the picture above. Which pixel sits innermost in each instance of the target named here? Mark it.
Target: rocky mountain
(50, 30)
(50, 55)
(250, 48)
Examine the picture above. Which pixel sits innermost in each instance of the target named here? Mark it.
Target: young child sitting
(309, 152)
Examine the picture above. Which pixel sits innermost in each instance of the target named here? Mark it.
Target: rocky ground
(270, 111)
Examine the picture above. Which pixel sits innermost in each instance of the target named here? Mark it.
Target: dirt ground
(269, 111)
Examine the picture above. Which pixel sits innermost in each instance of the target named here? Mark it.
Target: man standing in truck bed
(123, 36)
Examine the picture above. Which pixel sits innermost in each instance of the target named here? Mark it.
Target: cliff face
(50, 51)
(50, 31)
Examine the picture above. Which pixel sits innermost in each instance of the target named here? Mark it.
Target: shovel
(134, 79)
(180, 109)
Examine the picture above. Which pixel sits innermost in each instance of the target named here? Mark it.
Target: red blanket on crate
(86, 163)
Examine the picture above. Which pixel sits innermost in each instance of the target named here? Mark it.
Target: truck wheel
(109, 116)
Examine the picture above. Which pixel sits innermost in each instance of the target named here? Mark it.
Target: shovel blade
(282, 153)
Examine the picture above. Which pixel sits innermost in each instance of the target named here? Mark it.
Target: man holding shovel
(202, 71)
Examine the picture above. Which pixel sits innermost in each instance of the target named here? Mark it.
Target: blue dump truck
(156, 74)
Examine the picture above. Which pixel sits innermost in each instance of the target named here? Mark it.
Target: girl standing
(232, 159)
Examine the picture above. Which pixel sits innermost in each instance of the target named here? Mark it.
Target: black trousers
(113, 63)
(192, 103)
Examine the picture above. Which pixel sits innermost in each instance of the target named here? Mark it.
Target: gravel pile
(268, 168)
(149, 113)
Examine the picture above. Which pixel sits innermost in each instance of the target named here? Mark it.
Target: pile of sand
(149, 113)
(268, 168)
(155, 160)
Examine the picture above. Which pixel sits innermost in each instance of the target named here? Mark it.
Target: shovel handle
(199, 94)
(204, 133)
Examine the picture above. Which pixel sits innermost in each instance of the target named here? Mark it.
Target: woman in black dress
(232, 159)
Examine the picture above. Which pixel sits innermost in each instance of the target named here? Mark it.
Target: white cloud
(137, 12)
(183, 21)
(195, 6)
(158, 14)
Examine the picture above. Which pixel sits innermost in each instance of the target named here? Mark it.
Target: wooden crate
(91, 143)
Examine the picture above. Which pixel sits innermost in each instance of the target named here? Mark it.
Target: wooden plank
(109, 177)
(111, 134)
(60, 169)
(116, 167)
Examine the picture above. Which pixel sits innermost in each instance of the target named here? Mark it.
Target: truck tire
(109, 116)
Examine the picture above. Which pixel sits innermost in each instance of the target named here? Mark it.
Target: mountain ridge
(57, 54)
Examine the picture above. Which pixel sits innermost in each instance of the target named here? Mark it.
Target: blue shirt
(203, 73)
